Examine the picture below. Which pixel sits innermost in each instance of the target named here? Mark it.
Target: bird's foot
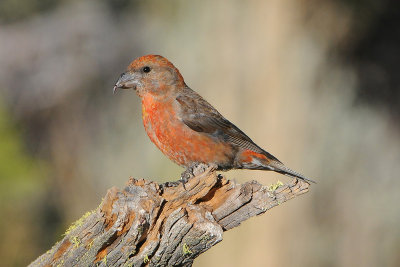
(191, 171)
(186, 175)
(169, 184)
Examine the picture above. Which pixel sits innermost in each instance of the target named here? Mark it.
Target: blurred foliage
(376, 56)
(366, 11)
(22, 185)
(19, 173)
(373, 48)
(17, 10)
(121, 6)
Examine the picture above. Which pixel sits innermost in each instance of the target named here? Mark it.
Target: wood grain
(148, 224)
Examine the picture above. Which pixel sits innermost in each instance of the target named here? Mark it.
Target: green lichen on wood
(61, 263)
(78, 222)
(75, 240)
(146, 259)
(186, 250)
(274, 186)
(90, 244)
(104, 260)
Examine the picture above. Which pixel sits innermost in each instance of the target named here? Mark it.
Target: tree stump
(169, 225)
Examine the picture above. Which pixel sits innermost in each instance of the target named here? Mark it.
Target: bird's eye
(146, 69)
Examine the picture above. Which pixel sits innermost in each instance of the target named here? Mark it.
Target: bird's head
(151, 74)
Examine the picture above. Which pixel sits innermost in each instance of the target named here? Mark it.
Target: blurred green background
(316, 83)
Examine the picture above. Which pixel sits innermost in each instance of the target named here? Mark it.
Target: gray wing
(200, 116)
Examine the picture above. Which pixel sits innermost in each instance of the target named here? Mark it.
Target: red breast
(176, 140)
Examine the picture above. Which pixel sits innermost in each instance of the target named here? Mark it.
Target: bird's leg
(168, 184)
(191, 171)
(185, 176)
(188, 173)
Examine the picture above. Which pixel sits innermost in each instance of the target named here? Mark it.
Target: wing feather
(200, 116)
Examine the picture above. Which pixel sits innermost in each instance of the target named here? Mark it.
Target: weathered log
(151, 225)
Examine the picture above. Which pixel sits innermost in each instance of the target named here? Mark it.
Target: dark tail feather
(279, 167)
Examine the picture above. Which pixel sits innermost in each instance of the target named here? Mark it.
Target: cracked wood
(151, 225)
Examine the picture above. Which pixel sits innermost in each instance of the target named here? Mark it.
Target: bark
(169, 225)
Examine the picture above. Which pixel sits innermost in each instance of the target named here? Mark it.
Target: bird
(188, 129)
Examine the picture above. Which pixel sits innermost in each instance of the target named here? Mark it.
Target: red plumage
(185, 127)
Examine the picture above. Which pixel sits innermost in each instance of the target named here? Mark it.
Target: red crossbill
(185, 127)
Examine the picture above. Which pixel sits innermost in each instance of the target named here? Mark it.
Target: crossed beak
(126, 81)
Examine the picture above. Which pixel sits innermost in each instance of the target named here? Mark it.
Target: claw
(184, 178)
(183, 183)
